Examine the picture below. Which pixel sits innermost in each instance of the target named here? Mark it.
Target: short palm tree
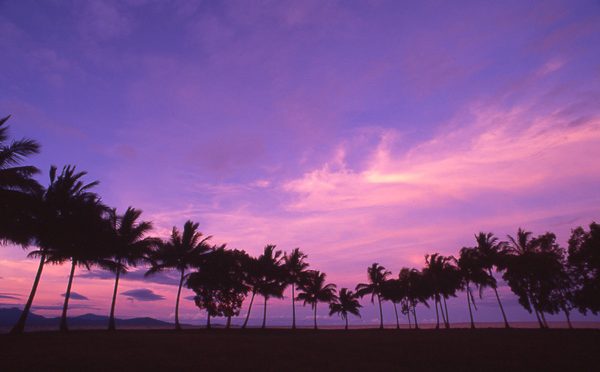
(180, 252)
(377, 276)
(130, 247)
(418, 290)
(345, 304)
(490, 251)
(314, 290)
(295, 266)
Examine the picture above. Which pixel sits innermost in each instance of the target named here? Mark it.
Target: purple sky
(360, 131)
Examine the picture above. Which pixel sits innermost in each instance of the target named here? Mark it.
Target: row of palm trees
(67, 222)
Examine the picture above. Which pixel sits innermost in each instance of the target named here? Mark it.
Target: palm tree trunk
(568, 316)
(111, 320)
(19, 327)
(249, 308)
(380, 313)
(415, 316)
(228, 322)
(177, 325)
(293, 308)
(396, 311)
(506, 325)
(315, 315)
(469, 302)
(544, 319)
(447, 319)
(346, 318)
(537, 315)
(208, 321)
(264, 324)
(63, 318)
(408, 316)
(437, 315)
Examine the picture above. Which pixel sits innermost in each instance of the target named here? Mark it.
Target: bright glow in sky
(360, 131)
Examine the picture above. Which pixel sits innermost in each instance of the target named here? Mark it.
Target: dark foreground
(285, 350)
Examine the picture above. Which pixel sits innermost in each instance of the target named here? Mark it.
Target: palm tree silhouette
(71, 226)
(394, 290)
(17, 188)
(19, 194)
(345, 304)
(519, 266)
(377, 275)
(180, 252)
(584, 267)
(490, 252)
(314, 290)
(271, 280)
(434, 271)
(253, 278)
(418, 289)
(129, 248)
(472, 272)
(295, 268)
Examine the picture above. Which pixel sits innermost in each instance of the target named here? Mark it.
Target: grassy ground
(285, 350)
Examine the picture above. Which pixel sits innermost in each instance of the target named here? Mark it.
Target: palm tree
(394, 290)
(519, 273)
(434, 271)
(182, 251)
(69, 226)
(418, 290)
(377, 275)
(271, 280)
(345, 304)
(314, 290)
(295, 268)
(130, 247)
(17, 188)
(490, 252)
(472, 272)
(78, 227)
(252, 278)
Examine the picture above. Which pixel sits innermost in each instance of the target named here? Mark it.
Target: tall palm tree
(252, 278)
(69, 226)
(377, 276)
(433, 271)
(395, 291)
(79, 228)
(314, 290)
(418, 290)
(17, 188)
(345, 304)
(295, 268)
(130, 247)
(271, 279)
(180, 252)
(472, 272)
(490, 253)
(517, 252)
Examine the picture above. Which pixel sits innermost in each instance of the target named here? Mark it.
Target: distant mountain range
(9, 316)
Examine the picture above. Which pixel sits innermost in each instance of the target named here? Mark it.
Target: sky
(359, 131)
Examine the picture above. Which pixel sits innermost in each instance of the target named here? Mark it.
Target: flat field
(287, 350)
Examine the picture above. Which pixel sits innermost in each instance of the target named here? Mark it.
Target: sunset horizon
(374, 136)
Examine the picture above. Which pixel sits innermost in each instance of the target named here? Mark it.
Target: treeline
(67, 222)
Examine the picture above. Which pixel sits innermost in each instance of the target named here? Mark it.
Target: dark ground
(286, 350)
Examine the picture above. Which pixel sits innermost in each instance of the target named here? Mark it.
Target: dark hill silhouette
(8, 317)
